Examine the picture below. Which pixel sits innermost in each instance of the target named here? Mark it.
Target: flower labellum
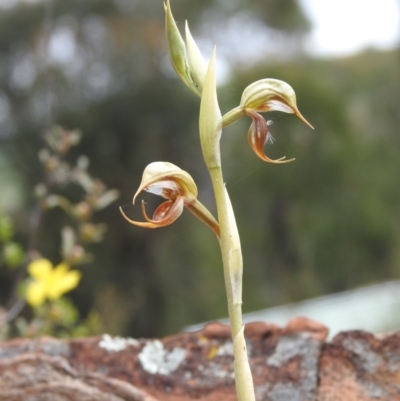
(262, 96)
(178, 188)
(258, 135)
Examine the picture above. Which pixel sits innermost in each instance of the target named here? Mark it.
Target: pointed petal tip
(138, 223)
(141, 188)
(124, 215)
(127, 218)
(298, 114)
(282, 160)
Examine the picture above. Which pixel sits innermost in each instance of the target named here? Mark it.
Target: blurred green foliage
(11, 252)
(34, 281)
(59, 318)
(327, 222)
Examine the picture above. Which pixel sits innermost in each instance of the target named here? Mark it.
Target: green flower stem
(232, 116)
(230, 250)
(210, 133)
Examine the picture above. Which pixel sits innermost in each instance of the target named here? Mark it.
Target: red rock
(293, 363)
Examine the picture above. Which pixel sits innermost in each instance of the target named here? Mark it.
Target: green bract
(189, 68)
(196, 63)
(210, 118)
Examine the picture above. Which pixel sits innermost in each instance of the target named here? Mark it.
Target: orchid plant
(179, 189)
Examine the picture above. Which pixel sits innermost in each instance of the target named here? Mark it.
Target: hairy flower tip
(177, 186)
(270, 95)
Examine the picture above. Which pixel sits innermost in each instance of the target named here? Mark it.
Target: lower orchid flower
(177, 186)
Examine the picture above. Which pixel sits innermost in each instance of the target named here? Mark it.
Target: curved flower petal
(166, 213)
(163, 216)
(257, 136)
(167, 180)
(270, 95)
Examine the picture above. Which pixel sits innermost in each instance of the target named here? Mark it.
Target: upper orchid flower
(177, 186)
(261, 96)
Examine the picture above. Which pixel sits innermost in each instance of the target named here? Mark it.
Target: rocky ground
(294, 363)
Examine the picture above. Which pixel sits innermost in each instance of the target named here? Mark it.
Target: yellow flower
(49, 282)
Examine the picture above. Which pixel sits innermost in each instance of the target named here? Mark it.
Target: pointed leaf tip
(210, 117)
(197, 66)
(177, 51)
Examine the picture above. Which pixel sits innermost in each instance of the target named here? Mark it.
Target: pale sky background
(340, 27)
(343, 27)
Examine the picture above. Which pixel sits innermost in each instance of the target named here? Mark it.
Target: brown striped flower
(178, 188)
(263, 96)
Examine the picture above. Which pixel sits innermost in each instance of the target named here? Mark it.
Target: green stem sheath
(211, 124)
(230, 250)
